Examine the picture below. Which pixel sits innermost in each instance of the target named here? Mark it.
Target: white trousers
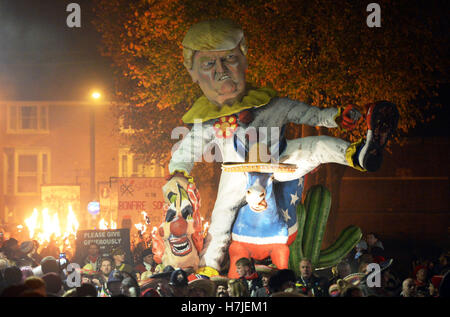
(307, 153)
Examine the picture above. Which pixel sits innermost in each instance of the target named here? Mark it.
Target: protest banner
(107, 240)
(141, 194)
(57, 198)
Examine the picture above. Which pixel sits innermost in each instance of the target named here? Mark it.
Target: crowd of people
(25, 272)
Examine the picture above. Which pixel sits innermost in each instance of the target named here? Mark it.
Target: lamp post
(93, 191)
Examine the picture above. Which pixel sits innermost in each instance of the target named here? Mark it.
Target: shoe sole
(384, 120)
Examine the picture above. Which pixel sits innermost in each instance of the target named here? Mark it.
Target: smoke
(41, 57)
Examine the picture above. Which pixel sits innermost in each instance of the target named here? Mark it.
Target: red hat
(436, 280)
(417, 269)
(378, 259)
(150, 292)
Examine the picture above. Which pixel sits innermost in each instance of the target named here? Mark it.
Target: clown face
(177, 230)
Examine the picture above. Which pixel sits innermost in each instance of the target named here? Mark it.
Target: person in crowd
(201, 287)
(391, 284)
(360, 248)
(114, 284)
(93, 257)
(147, 262)
(377, 254)
(12, 276)
(145, 276)
(10, 249)
(86, 290)
(26, 251)
(129, 286)
(179, 283)
(100, 280)
(221, 285)
(36, 284)
(420, 276)
(118, 255)
(352, 291)
(355, 255)
(373, 240)
(48, 265)
(408, 288)
(343, 269)
(309, 283)
(365, 260)
(444, 287)
(53, 284)
(27, 271)
(266, 272)
(433, 286)
(246, 271)
(36, 255)
(443, 265)
(14, 290)
(51, 249)
(87, 274)
(282, 281)
(238, 288)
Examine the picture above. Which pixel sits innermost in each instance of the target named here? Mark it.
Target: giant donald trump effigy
(261, 184)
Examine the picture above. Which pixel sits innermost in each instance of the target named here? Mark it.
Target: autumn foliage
(320, 52)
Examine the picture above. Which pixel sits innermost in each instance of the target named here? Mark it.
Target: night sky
(43, 59)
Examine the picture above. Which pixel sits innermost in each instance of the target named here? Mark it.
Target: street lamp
(93, 192)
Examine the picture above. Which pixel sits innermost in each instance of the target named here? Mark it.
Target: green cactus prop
(312, 218)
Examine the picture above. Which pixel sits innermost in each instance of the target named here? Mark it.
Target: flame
(43, 226)
(31, 222)
(140, 227)
(72, 222)
(103, 225)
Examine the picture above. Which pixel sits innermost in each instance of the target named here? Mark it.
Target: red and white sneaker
(382, 120)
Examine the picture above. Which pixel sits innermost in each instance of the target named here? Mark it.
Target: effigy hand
(349, 118)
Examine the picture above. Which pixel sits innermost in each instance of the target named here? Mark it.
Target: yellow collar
(205, 110)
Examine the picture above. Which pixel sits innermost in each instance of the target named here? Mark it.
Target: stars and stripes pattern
(276, 224)
(288, 195)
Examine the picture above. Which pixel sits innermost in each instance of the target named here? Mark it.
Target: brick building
(48, 142)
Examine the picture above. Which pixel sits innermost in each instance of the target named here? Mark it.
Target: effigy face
(220, 74)
(258, 189)
(180, 249)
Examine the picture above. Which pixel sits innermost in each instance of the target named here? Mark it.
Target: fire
(103, 225)
(31, 222)
(72, 222)
(142, 228)
(43, 226)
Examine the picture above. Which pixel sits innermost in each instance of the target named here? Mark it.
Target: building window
(31, 170)
(27, 119)
(133, 165)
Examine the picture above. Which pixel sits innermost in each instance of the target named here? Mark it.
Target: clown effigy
(215, 56)
(179, 239)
